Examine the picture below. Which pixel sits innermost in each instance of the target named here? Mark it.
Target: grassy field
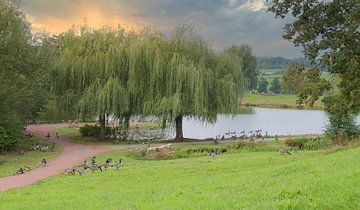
(276, 101)
(272, 71)
(244, 180)
(11, 162)
(271, 74)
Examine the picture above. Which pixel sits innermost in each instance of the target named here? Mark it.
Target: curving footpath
(71, 155)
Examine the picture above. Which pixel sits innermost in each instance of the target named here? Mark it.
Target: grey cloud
(222, 22)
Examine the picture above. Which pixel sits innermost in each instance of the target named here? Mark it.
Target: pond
(269, 120)
(272, 121)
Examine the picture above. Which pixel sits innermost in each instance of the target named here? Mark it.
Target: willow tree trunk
(127, 122)
(179, 132)
(102, 122)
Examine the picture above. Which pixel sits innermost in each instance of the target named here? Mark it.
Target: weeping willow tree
(182, 76)
(91, 72)
(102, 72)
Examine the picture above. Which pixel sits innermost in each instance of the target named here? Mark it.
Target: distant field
(244, 180)
(272, 71)
(271, 74)
(270, 78)
(280, 101)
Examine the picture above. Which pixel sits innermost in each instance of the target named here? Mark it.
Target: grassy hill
(243, 180)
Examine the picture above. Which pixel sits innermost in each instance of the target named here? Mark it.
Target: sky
(221, 23)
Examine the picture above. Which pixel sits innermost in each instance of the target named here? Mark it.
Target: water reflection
(274, 121)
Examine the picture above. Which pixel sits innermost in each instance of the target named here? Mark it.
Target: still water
(274, 121)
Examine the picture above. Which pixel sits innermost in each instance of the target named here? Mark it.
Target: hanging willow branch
(112, 72)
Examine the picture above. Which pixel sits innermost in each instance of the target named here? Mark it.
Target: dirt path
(71, 155)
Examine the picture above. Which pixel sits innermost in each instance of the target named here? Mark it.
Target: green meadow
(324, 179)
(11, 162)
(276, 101)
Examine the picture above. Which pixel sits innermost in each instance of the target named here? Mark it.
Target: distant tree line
(281, 62)
(263, 86)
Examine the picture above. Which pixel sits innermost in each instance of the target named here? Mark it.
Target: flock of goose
(242, 134)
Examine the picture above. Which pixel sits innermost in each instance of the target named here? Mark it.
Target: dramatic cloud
(221, 22)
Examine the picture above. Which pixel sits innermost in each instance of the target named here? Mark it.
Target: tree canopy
(328, 31)
(111, 72)
(22, 67)
(244, 52)
(275, 86)
(263, 85)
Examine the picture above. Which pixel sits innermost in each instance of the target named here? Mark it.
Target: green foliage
(263, 86)
(10, 133)
(187, 78)
(244, 52)
(90, 71)
(328, 31)
(309, 143)
(22, 65)
(109, 72)
(54, 113)
(90, 130)
(342, 121)
(307, 84)
(275, 86)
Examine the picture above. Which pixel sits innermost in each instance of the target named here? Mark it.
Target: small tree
(275, 86)
(263, 85)
(341, 121)
(291, 78)
(244, 52)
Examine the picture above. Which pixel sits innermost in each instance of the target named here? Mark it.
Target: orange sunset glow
(221, 23)
(91, 15)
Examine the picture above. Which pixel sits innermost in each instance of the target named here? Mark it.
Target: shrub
(317, 143)
(90, 130)
(11, 132)
(343, 127)
(309, 143)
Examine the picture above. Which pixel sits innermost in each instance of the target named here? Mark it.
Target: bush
(309, 143)
(90, 130)
(11, 132)
(342, 121)
(342, 127)
(317, 143)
